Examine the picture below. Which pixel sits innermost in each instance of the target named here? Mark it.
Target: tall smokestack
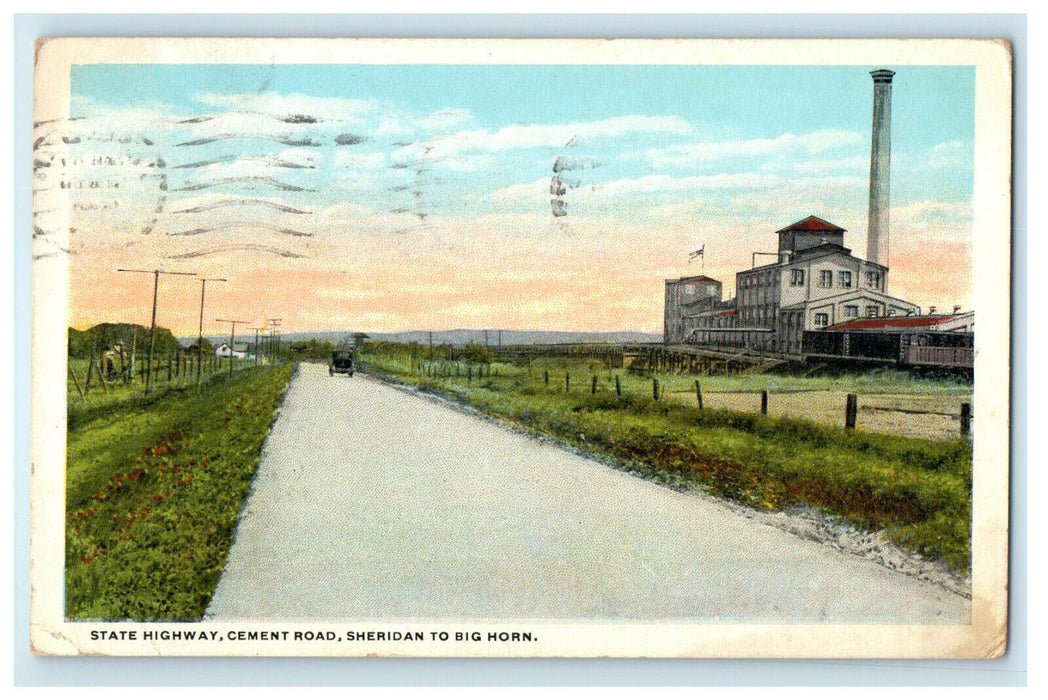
(880, 165)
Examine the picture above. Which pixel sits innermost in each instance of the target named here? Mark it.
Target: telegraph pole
(256, 330)
(200, 337)
(152, 327)
(232, 333)
(274, 339)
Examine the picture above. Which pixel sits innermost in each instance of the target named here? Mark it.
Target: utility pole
(256, 330)
(232, 333)
(200, 336)
(274, 337)
(152, 327)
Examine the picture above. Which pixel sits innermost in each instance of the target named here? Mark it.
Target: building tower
(880, 165)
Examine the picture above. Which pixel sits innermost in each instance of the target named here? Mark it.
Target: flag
(700, 253)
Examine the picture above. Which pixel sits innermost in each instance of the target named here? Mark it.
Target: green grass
(88, 398)
(153, 489)
(918, 491)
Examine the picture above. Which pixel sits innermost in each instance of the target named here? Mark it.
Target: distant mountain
(461, 336)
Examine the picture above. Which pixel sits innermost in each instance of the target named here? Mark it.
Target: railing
(930, 355)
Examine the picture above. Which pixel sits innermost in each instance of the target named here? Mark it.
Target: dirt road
(374, 503)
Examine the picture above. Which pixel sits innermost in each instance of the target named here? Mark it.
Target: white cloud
(524, 191)
(822, 166)
(692, 154)
(949, 154)
(336, 109)
(445, 119)
(302, 157)
(524, 136)
(932, 213)
(346, 158)
(649, 184)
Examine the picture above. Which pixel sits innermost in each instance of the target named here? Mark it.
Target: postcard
(520, 348)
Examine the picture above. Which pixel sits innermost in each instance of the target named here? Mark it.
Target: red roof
(891, 322)
(813, 223)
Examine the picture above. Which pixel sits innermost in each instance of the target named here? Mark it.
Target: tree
(106, 335)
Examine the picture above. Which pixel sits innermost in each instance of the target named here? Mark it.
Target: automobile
(341, 363)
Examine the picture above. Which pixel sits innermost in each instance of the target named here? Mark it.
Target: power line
(232, 333)
(152, 327)
(200, 337)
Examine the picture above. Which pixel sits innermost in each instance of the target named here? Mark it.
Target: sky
(385, 198)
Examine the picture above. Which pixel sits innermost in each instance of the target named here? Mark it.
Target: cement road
(373, 503)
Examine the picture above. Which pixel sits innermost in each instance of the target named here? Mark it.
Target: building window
(822, 320)
(825, 278)
(797, 278)
(851, 311)
(872, 311)
(873, 280)
(845, 278)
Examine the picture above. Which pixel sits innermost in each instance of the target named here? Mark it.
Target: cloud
(328, 109)
(949, 154)
(929, 212)
(445, 119)
(365, 161)
(821, 166)
(695, 154)
(732, 183)
(528, 136)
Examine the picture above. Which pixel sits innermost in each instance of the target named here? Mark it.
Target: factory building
(815, 283)
(688, 298)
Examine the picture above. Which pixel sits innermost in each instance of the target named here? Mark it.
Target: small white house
(224, 350)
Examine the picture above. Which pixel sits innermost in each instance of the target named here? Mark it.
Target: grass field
(890, 401)
(153, 489)
(917, 491)
(83, 394)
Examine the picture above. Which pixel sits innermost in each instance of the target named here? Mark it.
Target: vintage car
(341, 363)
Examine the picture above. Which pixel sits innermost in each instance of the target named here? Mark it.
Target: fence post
(76, 383)
(101, 377)
(850, 410)
(655, 388)
(90, 368)
(546, 375)
(593, 386)
(966, 420)
(764, 402)
(618, 386)
(469, 373)
(567, 382)
(698, 393)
